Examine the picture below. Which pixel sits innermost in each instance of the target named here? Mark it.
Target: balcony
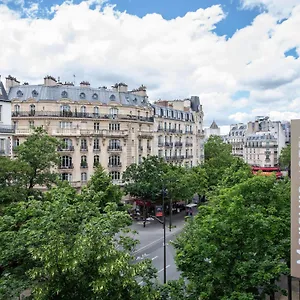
(160, 144)
(178, 144)
(66, 132)
(189, 156)
(7, 129)
(188, 144)
(23, 131)
(86, 115)
(83, 165)
(114, 148)
(96, 149)
(66, 167)
(168, 145)
(84, 149)
(116, 166)
(65, 149)
(96, 164)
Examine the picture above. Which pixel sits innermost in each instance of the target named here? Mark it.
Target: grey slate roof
(3, 94)
(214, 125)
(75, 93)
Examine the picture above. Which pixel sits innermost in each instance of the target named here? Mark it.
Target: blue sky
(240, 56)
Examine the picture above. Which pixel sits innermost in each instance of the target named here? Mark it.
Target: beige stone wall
(137, 131)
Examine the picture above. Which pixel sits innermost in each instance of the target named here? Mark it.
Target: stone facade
(112, 127)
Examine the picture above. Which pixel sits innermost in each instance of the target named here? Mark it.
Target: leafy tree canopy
(285, 157)
(238, 245)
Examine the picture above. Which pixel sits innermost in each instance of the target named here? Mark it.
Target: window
(96, 144)
(96, 160)
(16, 142)
(114, 175)
(31, 124)
(65, 107)
(83, 144)
(114, 144)
(95, 96)
(2, 146)
(114, 126)
(114, 160)
(83, 161)
(67, 144)
(96, 111)
(34, 93)
(112, 98)
(140, 159)
(64, 94)
(32, 109)
(82, 95)
(17, 108)
(0, 113)
(63, 124)
(113, 112)
(96, 126)
(66, 176)
(83, 110)
(160, 153)
(66, 162)
(83, 177)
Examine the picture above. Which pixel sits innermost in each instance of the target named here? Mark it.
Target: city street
(151, 244)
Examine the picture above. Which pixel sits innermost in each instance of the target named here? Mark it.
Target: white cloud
(280, 8)
(174, 58)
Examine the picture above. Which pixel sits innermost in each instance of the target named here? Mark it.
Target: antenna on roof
(74, 78)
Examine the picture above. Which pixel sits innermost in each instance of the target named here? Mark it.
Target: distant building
(6, 129)
(212, 130)
(236, 138)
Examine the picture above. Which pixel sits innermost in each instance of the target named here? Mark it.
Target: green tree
(13, 180)
(64, 248)
(39, 153)
(285, 158)
(145, 179)
(237, 246)
(217, 158)
(100, 189)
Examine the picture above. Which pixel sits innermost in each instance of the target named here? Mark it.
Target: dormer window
(82, 95)
(134, 100)
(34, 93)
(95, 96)
(112, 98)
(19, 93)
(64, 94)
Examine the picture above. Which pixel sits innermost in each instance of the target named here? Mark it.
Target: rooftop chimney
(141, 91)
(84, 84)
(122, 87)
(49, 81)
(10, 82)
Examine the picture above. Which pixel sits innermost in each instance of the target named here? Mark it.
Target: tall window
(84, 177)
(32, 109)
(65, 110)
(96, 160)
(96, 144)
(17, 108)
(114, 126)
(83, 109)
(31, 124)
(66, 162)
(2, 145)
(64, 125)
(16, 142)
(97, 126)
(96, 111)
(66, 176)
(114, 144)
(114, 160)
(115, 175)
(113, 112)
(83, 144)
(83, 162)
(67, 144)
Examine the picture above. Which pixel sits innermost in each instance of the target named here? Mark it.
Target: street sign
(159, 211)
(295, 198)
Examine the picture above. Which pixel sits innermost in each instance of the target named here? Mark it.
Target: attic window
(134, 100)
(95, 96)
(19, 93)
(112, 98)
(82, 95)
(34, 93)
(127, 98)
(64, 94)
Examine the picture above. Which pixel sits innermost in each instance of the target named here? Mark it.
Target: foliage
(285, 157)
(13, 180)
(145, 179)
(100, 189)
(217, 159)
(64, 248)
(174, 290)
(237, 247)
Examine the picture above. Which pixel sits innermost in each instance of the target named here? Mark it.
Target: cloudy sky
(240, 56)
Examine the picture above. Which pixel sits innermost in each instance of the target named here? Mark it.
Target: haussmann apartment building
(112, 127)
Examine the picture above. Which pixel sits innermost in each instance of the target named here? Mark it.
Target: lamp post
(164, 227)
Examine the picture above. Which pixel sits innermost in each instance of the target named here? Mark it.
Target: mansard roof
(76, 93)
(3, 94)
